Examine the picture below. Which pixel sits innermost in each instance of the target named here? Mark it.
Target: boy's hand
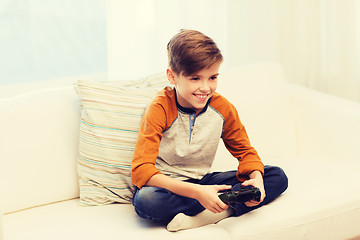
(255, 180)
(207, 195)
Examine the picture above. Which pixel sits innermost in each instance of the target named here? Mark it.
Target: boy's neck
(189, 110)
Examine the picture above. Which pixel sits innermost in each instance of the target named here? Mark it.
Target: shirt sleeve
(238, 144)
(147, 146)
(158, 117)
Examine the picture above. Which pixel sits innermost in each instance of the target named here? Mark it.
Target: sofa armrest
(326, 124)
(1, 227)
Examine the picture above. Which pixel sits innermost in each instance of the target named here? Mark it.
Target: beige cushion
(110, 119)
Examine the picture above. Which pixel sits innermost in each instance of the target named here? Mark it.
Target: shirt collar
(189, 110)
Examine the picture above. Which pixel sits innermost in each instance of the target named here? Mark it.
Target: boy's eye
(195, 78)
(213, 78)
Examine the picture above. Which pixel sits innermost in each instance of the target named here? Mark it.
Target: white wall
(253, 32)
(138, 32)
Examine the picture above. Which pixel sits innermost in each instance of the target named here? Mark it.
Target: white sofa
(313, 136)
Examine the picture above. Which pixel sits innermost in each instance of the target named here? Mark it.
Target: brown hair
(190, 51)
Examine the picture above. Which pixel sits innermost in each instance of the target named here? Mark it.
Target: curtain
(317, 41)
(324, 36)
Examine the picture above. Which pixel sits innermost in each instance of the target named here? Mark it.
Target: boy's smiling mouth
(202, 97)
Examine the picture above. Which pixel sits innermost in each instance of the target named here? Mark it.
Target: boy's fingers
(247, 183)
(224, 187)
(222, 205)
(252, 203)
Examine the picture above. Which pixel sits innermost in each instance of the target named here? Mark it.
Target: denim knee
(159, 204)
(275, 181)
(149, 203)
(281, 178)
(146, 202)
(284, 181)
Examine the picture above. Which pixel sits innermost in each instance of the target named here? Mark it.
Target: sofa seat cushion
(69, 220)
(310, 207)
(307, 210)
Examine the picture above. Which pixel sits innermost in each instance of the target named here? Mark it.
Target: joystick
(244, 194)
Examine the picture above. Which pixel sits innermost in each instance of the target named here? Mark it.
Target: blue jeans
(161, 205)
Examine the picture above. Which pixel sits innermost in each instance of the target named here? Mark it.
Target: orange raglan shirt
(175, 141)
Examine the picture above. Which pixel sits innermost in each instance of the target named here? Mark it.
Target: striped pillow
(110, 119)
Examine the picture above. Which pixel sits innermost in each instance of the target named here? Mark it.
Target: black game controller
(242, 195)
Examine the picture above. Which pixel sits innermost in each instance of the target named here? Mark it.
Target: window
(42, 40)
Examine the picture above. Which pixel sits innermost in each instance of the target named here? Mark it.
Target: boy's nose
(204, 86)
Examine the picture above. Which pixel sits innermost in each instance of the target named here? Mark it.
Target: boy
(177, 142)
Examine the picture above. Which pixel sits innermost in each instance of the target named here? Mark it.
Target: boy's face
(194, 91)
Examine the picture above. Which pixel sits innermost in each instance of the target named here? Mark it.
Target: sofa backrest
(39, 133)
(38, 148)
(259, 92)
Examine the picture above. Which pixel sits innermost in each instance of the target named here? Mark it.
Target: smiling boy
(177, 142)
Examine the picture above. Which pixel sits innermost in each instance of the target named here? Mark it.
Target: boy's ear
(170, 75)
